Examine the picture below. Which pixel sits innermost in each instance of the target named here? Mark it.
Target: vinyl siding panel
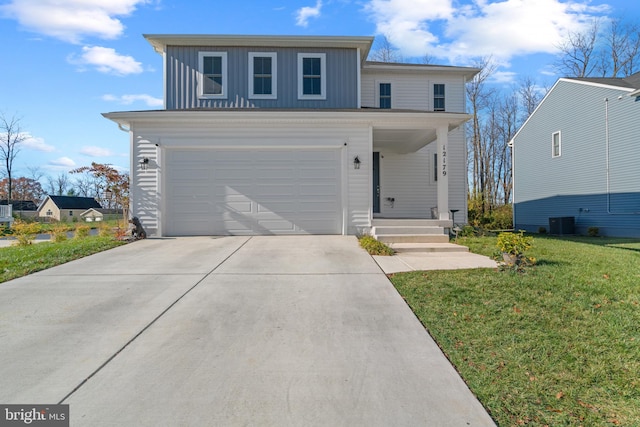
(413, 91)
(182, 79)
(575, 184)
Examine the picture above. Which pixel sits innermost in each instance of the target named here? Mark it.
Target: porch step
(413, 231)
(412, 238)
(379, 222)
(427, 247)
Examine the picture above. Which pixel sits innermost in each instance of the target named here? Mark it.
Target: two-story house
(295, 135)
(576, 159)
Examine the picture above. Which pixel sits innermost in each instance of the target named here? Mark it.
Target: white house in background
(577, 159)
(295, 135)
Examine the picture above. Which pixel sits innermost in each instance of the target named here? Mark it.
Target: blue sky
(66, 61)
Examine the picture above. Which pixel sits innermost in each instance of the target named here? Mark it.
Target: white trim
(225, 75)
(274, 75)
(359, 80)
(323, 76)
(553, 151)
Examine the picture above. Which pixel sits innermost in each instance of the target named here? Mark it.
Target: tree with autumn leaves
(114, 185)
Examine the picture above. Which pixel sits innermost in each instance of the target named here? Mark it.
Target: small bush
(59, 233)
(593, 231)
(514, 243)
(467, 231)
(542, 230)
(104, 230)
(374, 247)
(82, 231)
(25, 232)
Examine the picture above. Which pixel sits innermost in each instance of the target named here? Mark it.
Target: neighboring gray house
(578, 156)
(295, 135)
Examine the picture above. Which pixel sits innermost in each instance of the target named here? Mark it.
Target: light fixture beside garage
(144, 163)
(356, 163)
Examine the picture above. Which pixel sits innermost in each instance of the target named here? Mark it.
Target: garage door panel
(251, 191)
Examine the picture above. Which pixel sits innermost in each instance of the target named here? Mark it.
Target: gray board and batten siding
(596, 123)
(342, 67)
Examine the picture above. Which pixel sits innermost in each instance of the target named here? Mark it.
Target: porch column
(443, 172)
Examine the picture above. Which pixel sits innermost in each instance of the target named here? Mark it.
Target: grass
(18, 261)
(556, 344)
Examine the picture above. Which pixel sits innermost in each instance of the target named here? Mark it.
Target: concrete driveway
(234, 331)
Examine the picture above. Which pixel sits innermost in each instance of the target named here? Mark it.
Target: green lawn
(18, 261)
(557, 344)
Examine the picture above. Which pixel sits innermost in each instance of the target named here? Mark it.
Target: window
(49, 212)
(70, 213)
(312, 76)
(262, 75)
(385, 95)
(438, 97)
(556, 144)
(213, 74)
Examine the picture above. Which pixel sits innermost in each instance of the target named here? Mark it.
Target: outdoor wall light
(356, 163)
(144, 163)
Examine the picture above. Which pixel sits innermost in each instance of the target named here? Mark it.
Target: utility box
(562, 225)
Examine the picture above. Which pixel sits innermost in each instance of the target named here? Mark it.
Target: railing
(6, 211)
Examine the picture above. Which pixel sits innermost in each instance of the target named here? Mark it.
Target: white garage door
(253, 192)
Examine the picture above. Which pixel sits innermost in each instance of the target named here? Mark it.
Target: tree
(22, 189)
(11, 137)
(384, 51)
(611, 49)
(59, 185)
(113, 185)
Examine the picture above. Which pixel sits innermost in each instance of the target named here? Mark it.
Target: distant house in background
(577, 159)
(20, 208)
(96, 215)
(66, 208)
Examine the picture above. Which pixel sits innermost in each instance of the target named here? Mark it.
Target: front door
(376, 182)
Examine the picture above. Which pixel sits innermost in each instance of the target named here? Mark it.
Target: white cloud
(94, 151)
(107, 60)
(305, 13)
(36, 144)
(71, 20)
(63, 161)
(502, 29)
(130, 99)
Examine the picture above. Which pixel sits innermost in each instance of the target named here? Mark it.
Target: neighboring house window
(312, 71)
(385, 95)
(262, 75)
(213, 74)
(556, 144)
(70, 213)
(49, 213)
(438, 97)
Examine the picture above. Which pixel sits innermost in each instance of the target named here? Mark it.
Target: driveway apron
(265, 331)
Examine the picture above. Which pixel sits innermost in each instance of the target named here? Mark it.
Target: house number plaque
(444, 160)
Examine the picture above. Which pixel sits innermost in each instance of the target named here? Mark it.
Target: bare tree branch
(11, 136)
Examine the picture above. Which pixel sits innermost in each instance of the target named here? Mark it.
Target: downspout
(606, 140)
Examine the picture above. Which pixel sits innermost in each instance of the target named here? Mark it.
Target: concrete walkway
(414, 261)
(268, 331)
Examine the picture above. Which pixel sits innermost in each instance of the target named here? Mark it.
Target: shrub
(542, 230)
(104, 230)
(59, 233)
(25, 232)
(467, 231)
(514, 243)
(593, 231)
(374, 247)
(82, 231)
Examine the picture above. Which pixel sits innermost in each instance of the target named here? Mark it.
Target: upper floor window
(385, 95)
(438, 97)
(312, 71)
(263, 75)
(556, 144)
(213, 74)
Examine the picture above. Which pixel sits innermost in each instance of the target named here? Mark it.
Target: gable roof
(629, 82)
(21, 205)
(73, 202)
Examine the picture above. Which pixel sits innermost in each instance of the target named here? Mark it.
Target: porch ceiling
(402, 141)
